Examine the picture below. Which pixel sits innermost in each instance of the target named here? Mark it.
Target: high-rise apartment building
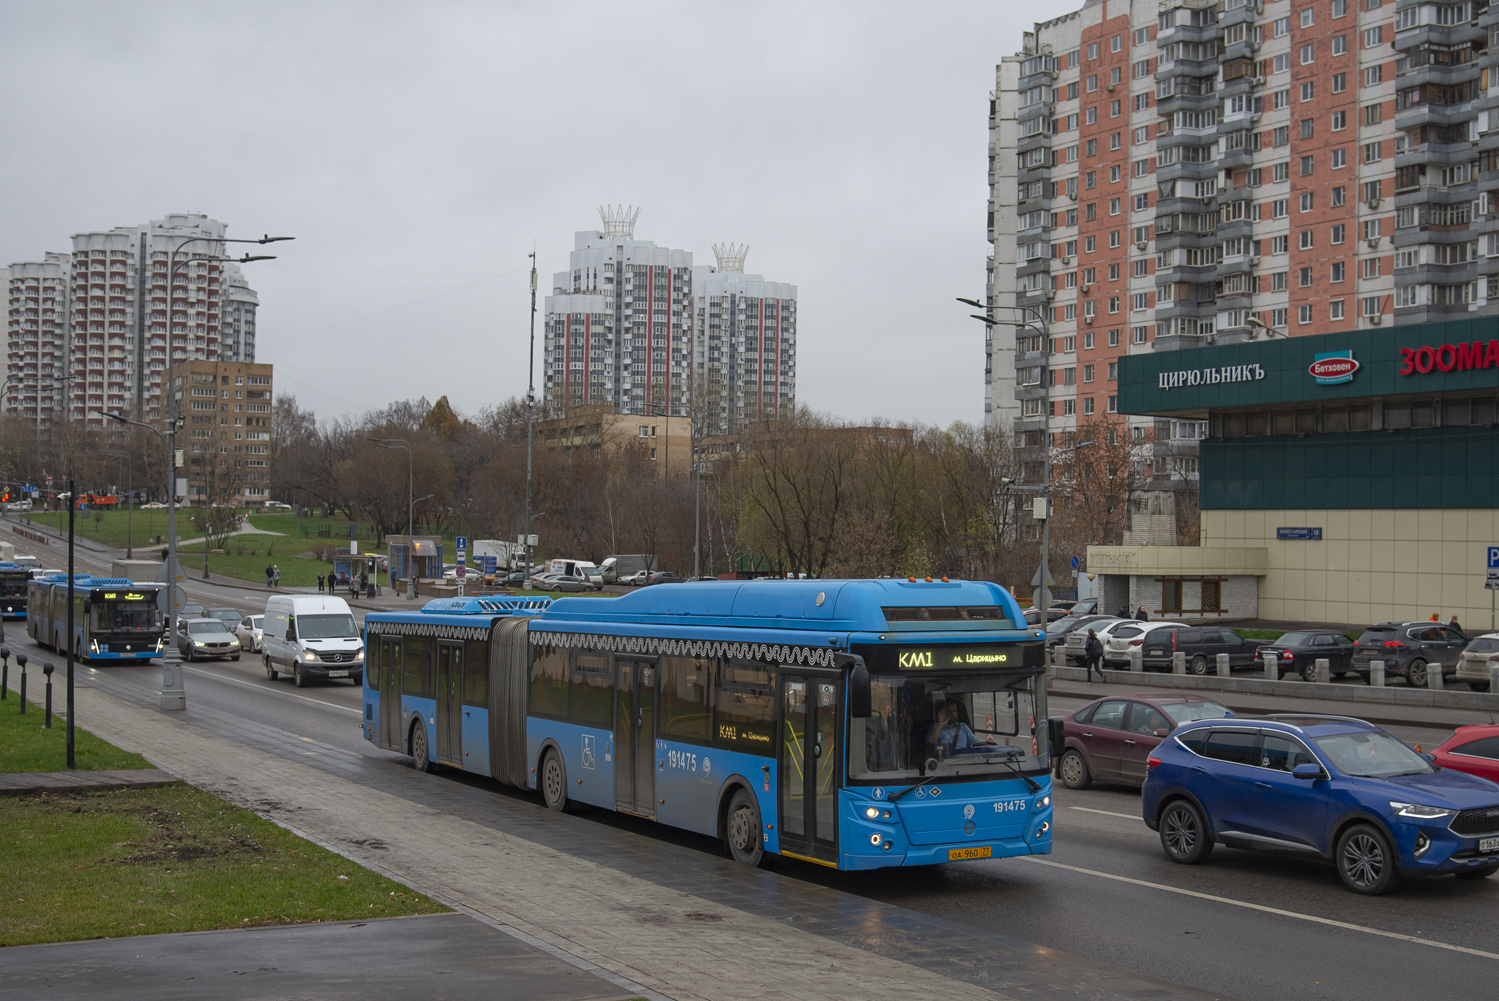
(37, 338)
(226, 407)
(1189, 172)
(743, 360)
(108, 343)
(636, 327)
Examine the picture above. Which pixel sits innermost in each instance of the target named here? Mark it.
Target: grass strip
(170, 859)
(25, 746)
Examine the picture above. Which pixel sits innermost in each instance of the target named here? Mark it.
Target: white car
(153, 506)
(1129, 634)
(277, 506)
(635, 579)
(250, 632)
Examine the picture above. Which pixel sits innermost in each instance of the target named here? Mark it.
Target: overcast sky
(418, 150)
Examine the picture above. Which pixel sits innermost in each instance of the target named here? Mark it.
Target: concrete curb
(17, 783)
(1298, 689)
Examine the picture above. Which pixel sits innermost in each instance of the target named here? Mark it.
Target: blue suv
(1331, 786)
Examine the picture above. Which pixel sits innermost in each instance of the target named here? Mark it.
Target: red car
(1109, 740)
(1472, 749)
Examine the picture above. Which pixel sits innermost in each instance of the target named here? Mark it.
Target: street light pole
(530, 417)
(130, 500)
(410, 504)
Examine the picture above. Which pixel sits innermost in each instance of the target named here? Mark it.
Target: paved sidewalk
(124, 778)
(671, 943)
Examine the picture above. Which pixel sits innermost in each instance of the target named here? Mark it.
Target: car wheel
(1366, 860)
(1480, 872)
(270, 669)
(1415, 674)
(1309, 671)
(1075, 774)
(1479, 686)
(1184, 833)
(553, 781)
(742, 829)
(1199, 665)
(297, 677)
(420, 760)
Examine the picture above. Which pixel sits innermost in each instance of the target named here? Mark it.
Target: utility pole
(530, 415)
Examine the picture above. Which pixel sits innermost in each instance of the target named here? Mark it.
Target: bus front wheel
(420, 759)
(742, 830)
(553, 781)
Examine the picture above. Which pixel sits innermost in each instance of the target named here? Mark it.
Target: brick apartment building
(226, 408)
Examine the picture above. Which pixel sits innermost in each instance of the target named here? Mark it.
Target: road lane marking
(1106, 813)
(263, 688)
(1266, 909)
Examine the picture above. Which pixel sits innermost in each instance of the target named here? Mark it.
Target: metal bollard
(1434, 677)
(1376, 673)
(1136, 660)
(47, 716)
(4, 672)
(1224, 671)
(1178, 663)
(21, 660)
(1272, 667)
(1322, 668)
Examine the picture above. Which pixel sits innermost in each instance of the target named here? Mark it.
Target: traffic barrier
(1272, 667)
(1136, 660)
(1322, 668)
(1376, 673)
(1178, 663)
(1434, 677)
(1224, 670)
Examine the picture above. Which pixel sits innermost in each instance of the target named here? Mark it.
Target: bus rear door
(808, 766)
(635, 736)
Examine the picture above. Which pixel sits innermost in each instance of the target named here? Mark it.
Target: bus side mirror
(858, 685)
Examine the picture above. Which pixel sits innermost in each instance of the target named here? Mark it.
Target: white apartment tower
(37, 338)
(617, 323)
(237, 322)
(743, 343)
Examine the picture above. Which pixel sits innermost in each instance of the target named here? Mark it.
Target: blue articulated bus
(855, 724)
(113, 618)
(15, 583)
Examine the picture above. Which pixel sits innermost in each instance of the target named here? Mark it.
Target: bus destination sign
(938, 658)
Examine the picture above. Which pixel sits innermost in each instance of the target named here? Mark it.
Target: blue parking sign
(1494, 557)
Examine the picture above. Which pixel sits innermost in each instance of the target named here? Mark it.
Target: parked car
(1088, 606)
(153, 506)
(249, 632)
(1105, 627)
(566, 582)
(191, 610)
(635, 579)
(277, 506)
(228, 616)
(1109, 740)
(1126, 635)
(665, 577)
(516, 578)
(1200, 644)
(1298, 652)
(20, 505)
(1058, 631)
(1471, 749)
(1330, 786)
(1055, 612)
(1473, 663)
(1409, 650)
(205, 637)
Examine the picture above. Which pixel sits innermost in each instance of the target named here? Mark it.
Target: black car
(665, 577)
(1201, 644)
(1298, 653)
(1409, 649)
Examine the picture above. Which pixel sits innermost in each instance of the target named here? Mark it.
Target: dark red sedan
(1472, 749)
(1109, 740)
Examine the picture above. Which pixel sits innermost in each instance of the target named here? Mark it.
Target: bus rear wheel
(742, 829)
(420, 760)
(553, 781)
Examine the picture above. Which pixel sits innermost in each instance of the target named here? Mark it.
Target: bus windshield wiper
(929, 778)
(1034, 785)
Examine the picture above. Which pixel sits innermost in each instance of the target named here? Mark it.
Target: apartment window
(1374, 37)
(1281, 135)
(1372, 4)
(1306, 165)
(1141, 301)
(1072, 217)
(1282, 63)
(1335, 309)
(1281, 172)
(1279, 244)
(1278, 282)
(1069, 408)
(1339, 121)
(1114, 238)
(1303, 314)
(1307, 17)
(1339, 158)
(1088, 274)
(1113, 272)
(1087, 373)
(1137, 334)
(1373, 114)
(1371, 267)
(1116, 43)
(1092, 83)
(1141, 136)
(1372, 229)
(1090, 180)
(1374, 75)
(1116, 140)
(1141, 267)
(1370, 305)
(1304, 277)
(1142, 36)
(1280, 27)
(1113, 304)
(1308, 91)
(1114, 109)
(1280, 99)
(1339, 8)
(1092, 50)
(1113, 371)
(1142, 69)
(1338, 196)
(1113, 338)
(1087, 406)
(1373, 152)
(1142, 202)
(1113, 206)
(1336, 272)
(1092, 148)
(1090, 244)
(1113, 406)
(1090, 211)
(1337, 234)
(1072, 91)
(1306, 128)
(1305, 201)
(1339, 82)
(1339, 44)
(1115, 75)
(1308, 53)
(1088, 341)
(1114, 174)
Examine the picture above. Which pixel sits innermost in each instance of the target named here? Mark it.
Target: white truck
(615, 567)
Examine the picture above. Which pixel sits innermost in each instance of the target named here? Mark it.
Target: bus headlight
(93, 646)
(871, 813)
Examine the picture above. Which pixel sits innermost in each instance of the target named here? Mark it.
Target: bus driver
(950, 735)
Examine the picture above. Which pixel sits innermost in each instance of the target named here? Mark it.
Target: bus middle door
(809, 765)
(450, 703)
(392, 719)
(635, 736)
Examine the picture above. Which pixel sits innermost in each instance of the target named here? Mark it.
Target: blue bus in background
(15, 582)
(854, 724)
(113, 618)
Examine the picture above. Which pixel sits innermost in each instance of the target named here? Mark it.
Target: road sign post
(461, 545)
(1491, 580)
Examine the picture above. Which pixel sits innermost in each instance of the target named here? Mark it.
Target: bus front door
(635, 736)
(809, 767)
(392, 722)
(450, 703)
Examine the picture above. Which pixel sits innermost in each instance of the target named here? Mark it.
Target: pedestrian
(1093, 656)
(319, 583)
(270, 573)
(1140, 615)
(1123, 612)
(1454, 625)
(353, 585)
(275, 575)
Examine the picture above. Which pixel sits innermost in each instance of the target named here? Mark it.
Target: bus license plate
(953, 854)
(1488, 844)
(338, 674)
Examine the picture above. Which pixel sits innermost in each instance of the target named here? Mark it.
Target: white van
(311, 636)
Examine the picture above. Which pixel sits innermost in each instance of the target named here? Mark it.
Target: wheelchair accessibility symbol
(588, 750)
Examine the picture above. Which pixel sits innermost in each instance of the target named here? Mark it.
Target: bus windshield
(326, 627)
(125, 617)
(13, 583)
(963, 726)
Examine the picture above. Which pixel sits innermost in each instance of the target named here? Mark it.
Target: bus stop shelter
(418, 556)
